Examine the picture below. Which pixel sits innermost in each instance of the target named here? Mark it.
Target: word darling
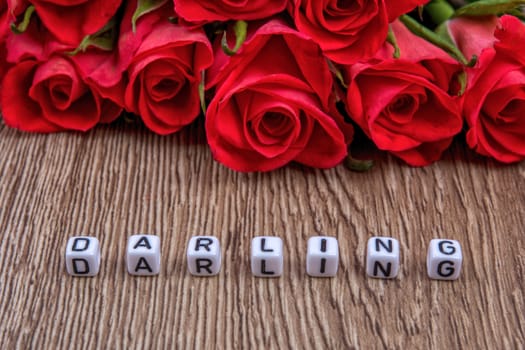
(203, 254)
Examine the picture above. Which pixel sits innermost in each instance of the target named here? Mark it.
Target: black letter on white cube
(267, 256)
(322, 256)
(203, 255)
(382, 258)
(143, 255)
(83, 256)
(444, 259)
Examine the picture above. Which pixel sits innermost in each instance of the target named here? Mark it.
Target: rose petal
(19, 111)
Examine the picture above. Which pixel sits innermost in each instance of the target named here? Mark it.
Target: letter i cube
(83, 256)
(143, 255)
(322, 256)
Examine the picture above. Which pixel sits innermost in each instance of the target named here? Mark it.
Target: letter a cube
(83, 256)
(444, 259)
(143, 255)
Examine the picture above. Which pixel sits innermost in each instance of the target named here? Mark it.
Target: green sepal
(144, 7)
(463, 82)
(337, 73)
(104, 39)
(22, 26)
(442, 42)
(488, 7)
(240, 29)
(357, 164)
(391, 39)
(202, 96)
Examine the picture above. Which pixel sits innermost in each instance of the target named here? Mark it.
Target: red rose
(4, 20)
(46, 90)
(403, 104)
(165, 73)
(3, 68)
(396, 8)
(348, 31)
(204, 11)
(270, 107)
(71, 20)
(494, 103)
(50, 96)
(9, 11)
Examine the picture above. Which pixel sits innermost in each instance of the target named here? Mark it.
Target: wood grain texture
(116, 181)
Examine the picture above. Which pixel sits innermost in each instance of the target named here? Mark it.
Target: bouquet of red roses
(276, 80)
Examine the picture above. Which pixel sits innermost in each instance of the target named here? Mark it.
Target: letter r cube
(204, 256)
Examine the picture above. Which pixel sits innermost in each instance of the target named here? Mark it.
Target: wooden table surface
(121, 180)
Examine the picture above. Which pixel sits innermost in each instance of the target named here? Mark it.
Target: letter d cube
(83, 256)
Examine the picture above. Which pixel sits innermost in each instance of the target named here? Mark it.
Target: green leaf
(104, 39)
(240, 29)
(488, 7)
(357, 165)
(391, 39)
(22, 26)
(144, 7)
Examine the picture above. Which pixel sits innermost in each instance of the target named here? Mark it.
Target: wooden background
(116, 181)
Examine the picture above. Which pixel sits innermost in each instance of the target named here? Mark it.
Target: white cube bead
(204, 256)
(444, 259)
(382, 258)
(322, 256)
(267, 256)
(143, 255)
(83, 256)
